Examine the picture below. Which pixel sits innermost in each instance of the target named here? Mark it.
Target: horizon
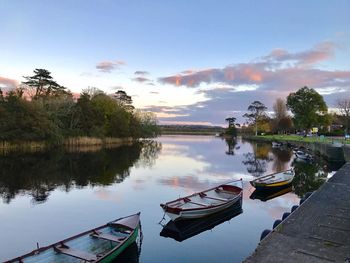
(190, 63)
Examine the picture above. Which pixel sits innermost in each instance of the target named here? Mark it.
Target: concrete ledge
(318, 231)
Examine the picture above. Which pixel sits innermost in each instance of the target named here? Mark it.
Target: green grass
(298, 138)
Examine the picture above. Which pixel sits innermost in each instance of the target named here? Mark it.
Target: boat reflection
(184, 229)
(131, 254)
(265, 195)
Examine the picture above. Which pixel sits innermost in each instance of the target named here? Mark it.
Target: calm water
(48, 197)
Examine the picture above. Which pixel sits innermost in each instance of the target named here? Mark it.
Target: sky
(190, 62)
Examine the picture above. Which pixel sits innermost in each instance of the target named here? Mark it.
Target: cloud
(229, 90)
(154, 92)
(141, 72)
(141, 79)
(7, 84)
(280, 70)
(319, 52)
(109, 66)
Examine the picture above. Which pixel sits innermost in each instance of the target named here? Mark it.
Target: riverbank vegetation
(41, 112)
(303, 112)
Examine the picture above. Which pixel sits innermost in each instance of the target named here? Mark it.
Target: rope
(160, 222)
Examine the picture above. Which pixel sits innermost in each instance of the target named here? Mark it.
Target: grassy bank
(297, 138)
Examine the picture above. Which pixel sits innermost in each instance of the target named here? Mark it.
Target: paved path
(318, 231)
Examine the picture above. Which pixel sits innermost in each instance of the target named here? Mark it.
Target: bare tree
(344, 108)
(280, 109)
(282, 121)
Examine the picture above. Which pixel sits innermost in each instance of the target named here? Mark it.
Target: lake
(46, 197)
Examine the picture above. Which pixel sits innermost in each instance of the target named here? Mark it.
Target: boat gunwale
(209, 206)
(41, 249)
(273, 174)
(239, 194)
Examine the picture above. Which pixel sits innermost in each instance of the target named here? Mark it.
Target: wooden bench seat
(197, 203)
(64, 249)
(216, 198)
(108, 237)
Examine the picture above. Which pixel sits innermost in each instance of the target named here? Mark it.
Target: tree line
(42, 110)
(302, 110)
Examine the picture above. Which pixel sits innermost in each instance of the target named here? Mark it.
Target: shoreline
(331, 150)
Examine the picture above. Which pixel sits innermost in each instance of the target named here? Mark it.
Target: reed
(30, 146)
(85, 141)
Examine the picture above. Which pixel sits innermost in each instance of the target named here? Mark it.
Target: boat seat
(197, 203)
(217, 198)
(108, 237)
(64, 249)
(223, 191)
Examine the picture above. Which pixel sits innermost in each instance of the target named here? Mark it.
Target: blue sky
(198, 61)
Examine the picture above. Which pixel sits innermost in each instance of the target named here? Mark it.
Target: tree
(280, 109)
(281, 122)
(344, 108)
(41, 84)
(308, 107)
(124, 99)
(257, 113)
(231, 129)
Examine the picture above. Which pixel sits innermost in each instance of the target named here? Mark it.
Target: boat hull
(261, 186)
(119, 250)
(183, 229)
(202, 212)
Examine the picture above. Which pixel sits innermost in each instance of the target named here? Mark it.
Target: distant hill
(190, 129)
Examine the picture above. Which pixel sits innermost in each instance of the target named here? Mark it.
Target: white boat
(303, 155)
(204, 203)
(273, 181)
(277, 144)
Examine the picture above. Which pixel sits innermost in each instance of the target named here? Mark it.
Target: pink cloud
(108, 66)
(280, 70)
(7, 84)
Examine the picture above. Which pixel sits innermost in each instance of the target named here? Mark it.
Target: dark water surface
(48, 197)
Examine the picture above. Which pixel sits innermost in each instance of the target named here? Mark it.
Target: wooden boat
(181, 230)
(277, 144)
(101, 244)
(265, 195)
(280, 179)
(303, 155)
(203, 203)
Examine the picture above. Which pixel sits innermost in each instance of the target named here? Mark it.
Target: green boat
(102, 244)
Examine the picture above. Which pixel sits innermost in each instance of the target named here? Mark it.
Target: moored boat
(183, 229)
(275, 180)
(204, 203)
(102, 244)
(277, 144)
(303, 155)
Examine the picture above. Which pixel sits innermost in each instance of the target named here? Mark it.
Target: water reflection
(86, 189)
(231, 143)
(256, 161)
(40, 173)
(282, 157)
(265, 195)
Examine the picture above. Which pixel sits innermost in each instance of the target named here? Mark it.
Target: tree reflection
(281, 158)
(308, 176)
(257, 161)
(38, 174)
(149, 153)
(231, 143)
